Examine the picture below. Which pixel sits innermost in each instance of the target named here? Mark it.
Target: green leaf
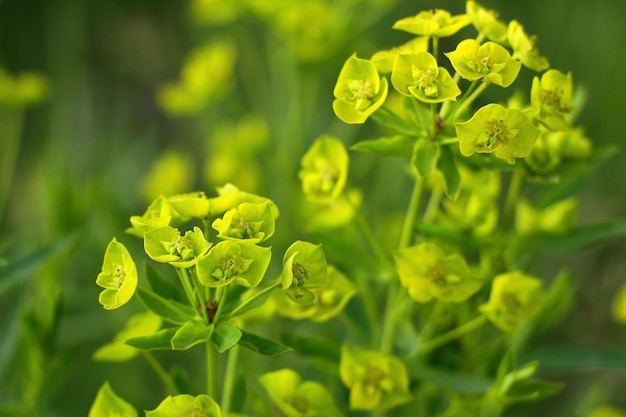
(425, 156)
(262, 345)
(576, 239)
(391, 120)
(446, 164)
(18, 272)
(170, 310)
(108, 403)
(159, 340)
(190, 334)
(160, 285)
(225, 336)
(398, 145)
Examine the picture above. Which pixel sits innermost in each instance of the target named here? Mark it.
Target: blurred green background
(87, 151)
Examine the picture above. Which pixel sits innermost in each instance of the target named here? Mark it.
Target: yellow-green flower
(417, 75)
(506, 132)
(556, 219)
(250, 222)
(157, 215)
(118, 276)
(384, 60)
(427, 272)
(230, 197)
(297, 398)
(486, 22)
(359, 91)
(377, 382)
(490, 62)
(228, 261)
(185, 405)
(524, 47)
(438, 23)
(324, 170)
(515, 297)
(167, 245)
(304, 268)
(189, 206)
(551, 99)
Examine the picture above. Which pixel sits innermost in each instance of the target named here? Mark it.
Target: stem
(435, 40)
(163, 375)
(450, 336)
(221, 296)
(11, 124)
(253, 298)
(229, 378)
(512, 198)
(211, 370)
(411, 220)
(468, 101)
(183, 275)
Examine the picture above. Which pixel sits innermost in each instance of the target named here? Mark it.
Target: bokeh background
(119, 126)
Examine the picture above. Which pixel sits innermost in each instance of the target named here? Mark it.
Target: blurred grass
(86, 150)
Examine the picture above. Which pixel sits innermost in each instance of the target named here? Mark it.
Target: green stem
(512, 198)
(11, 124)
(450, 336)
(211, 370)
(253, 298)
(163, 375)
(221, 296)
(466, 102)
(183, 275)
(229, 378)
(411, 219)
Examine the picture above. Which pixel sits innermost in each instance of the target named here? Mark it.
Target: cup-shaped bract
(118, 276)
(555, 219)
(524, 48)
(185, 405)
(551, 99)
(486, 22)
(359, 91)
(384, 60)
(232, 261)
(515, 297)
(324, 170)
(108, 403)
(297, 398)
(490, 62)
(417, 75)
(250, 222)
(142, 324)
(304, 268)
(508, 133)
(438, 23)
(427, 272)
(167, 245)
(230, 197)
(157, 215)
(189, 206)
(377, 382)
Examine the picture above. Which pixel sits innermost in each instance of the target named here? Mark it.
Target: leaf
(425, 156)
(160, 285)
(314, 347)
(446, 164)
(576, 239)
(159, 340)
(390, 120)
(225, 336)
(190, 334)
(262, 345)
(18, 272)
(170, 310)
(108, 403)
(398, 145)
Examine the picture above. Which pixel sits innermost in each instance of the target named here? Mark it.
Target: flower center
(553, 98)
(439, 275)
(426, 81)
(118, 275)
(362, 91)
(299, 273)
(230, 266)
(244, 229)
(300, 403)
(182, 247)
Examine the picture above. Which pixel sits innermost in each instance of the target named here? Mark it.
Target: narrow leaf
(425, 156)
(170, 310)
(446, 164)
(262, 345)
(387, 146)
(159, 340)
(160, 285)
(225, 336)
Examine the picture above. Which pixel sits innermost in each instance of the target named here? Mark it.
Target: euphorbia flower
(185, 405)
(142, 324)
(186, 207)
(304, 268)
(251, 222)
(487, 23)
(158, 214)
(167, 245)
(118, 276)
(359, 91)
(556, 219)
(384, 60)
(493, 128)
(228, 261)
(551, 99)
(524, 47)
(417, 75)
(377, 382)
(231, 197)
(489, 62)
(438, 23)
(515, 297)
(324, 170)
(428, 272)
(297, 398)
